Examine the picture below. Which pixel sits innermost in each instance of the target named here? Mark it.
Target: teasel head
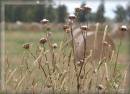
(27, 46)
(43, 40)
(44, 21)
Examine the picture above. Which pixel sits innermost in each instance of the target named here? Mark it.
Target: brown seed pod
(123, 28)
(87, 8)
(72, 17)
(65, 27)
(105, 43)
(43, 41)
(26, 45)
(84, 27)
(54, 45)
(100, 87)
(78, 9)
(44, 21)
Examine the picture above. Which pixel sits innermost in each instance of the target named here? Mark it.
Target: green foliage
(100, 13)
(51, 13)
(128, 13)
(61, 13)
(120, 14)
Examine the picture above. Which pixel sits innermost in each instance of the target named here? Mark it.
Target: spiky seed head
(26, 46)
(72, 17)
(84, 27)
(87, 8)
(43, 41)
(44, 21)
(54, 45)
(123, 28)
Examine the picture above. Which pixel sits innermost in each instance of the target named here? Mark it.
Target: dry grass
(45, 69)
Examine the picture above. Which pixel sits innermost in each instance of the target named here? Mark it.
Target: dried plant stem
(115, 65)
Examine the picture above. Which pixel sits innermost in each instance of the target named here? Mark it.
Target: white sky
(109, 5)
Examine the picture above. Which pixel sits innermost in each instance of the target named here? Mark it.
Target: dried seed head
(44, 21)
(87, 8)
(100, 87)
(43, 41)
(105, 43)
(65, 27)
(54, 45)
(67, 30)
(123, 28)
(84, 27)
(26, 46)
(72, 17)
(49, 86)
(78, 9)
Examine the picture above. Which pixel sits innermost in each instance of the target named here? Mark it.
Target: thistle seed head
(43, 41)
(26, 46)
(100, 87)
(123, 28)
(84, 27)
(72, 17)
(44, 21)
(54, 45)
(87, 8)
(65, 27)
(78, 9)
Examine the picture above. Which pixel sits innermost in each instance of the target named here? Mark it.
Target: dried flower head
(87, 8)
(84, 27)
(54, 45)
(123, 28)
(78, 9)
(26, 45)
(44, 21)
(43, 40)
(72, 17)
(105, 43)
(65, 27)
(67, 30)
(100, 87)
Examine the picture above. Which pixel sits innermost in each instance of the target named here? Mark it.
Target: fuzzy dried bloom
(72, 17)
(84, 27)
(87, 8)
(43, 41)
(26, 46)
(44, 21)
(123, 28)
(54, 45)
